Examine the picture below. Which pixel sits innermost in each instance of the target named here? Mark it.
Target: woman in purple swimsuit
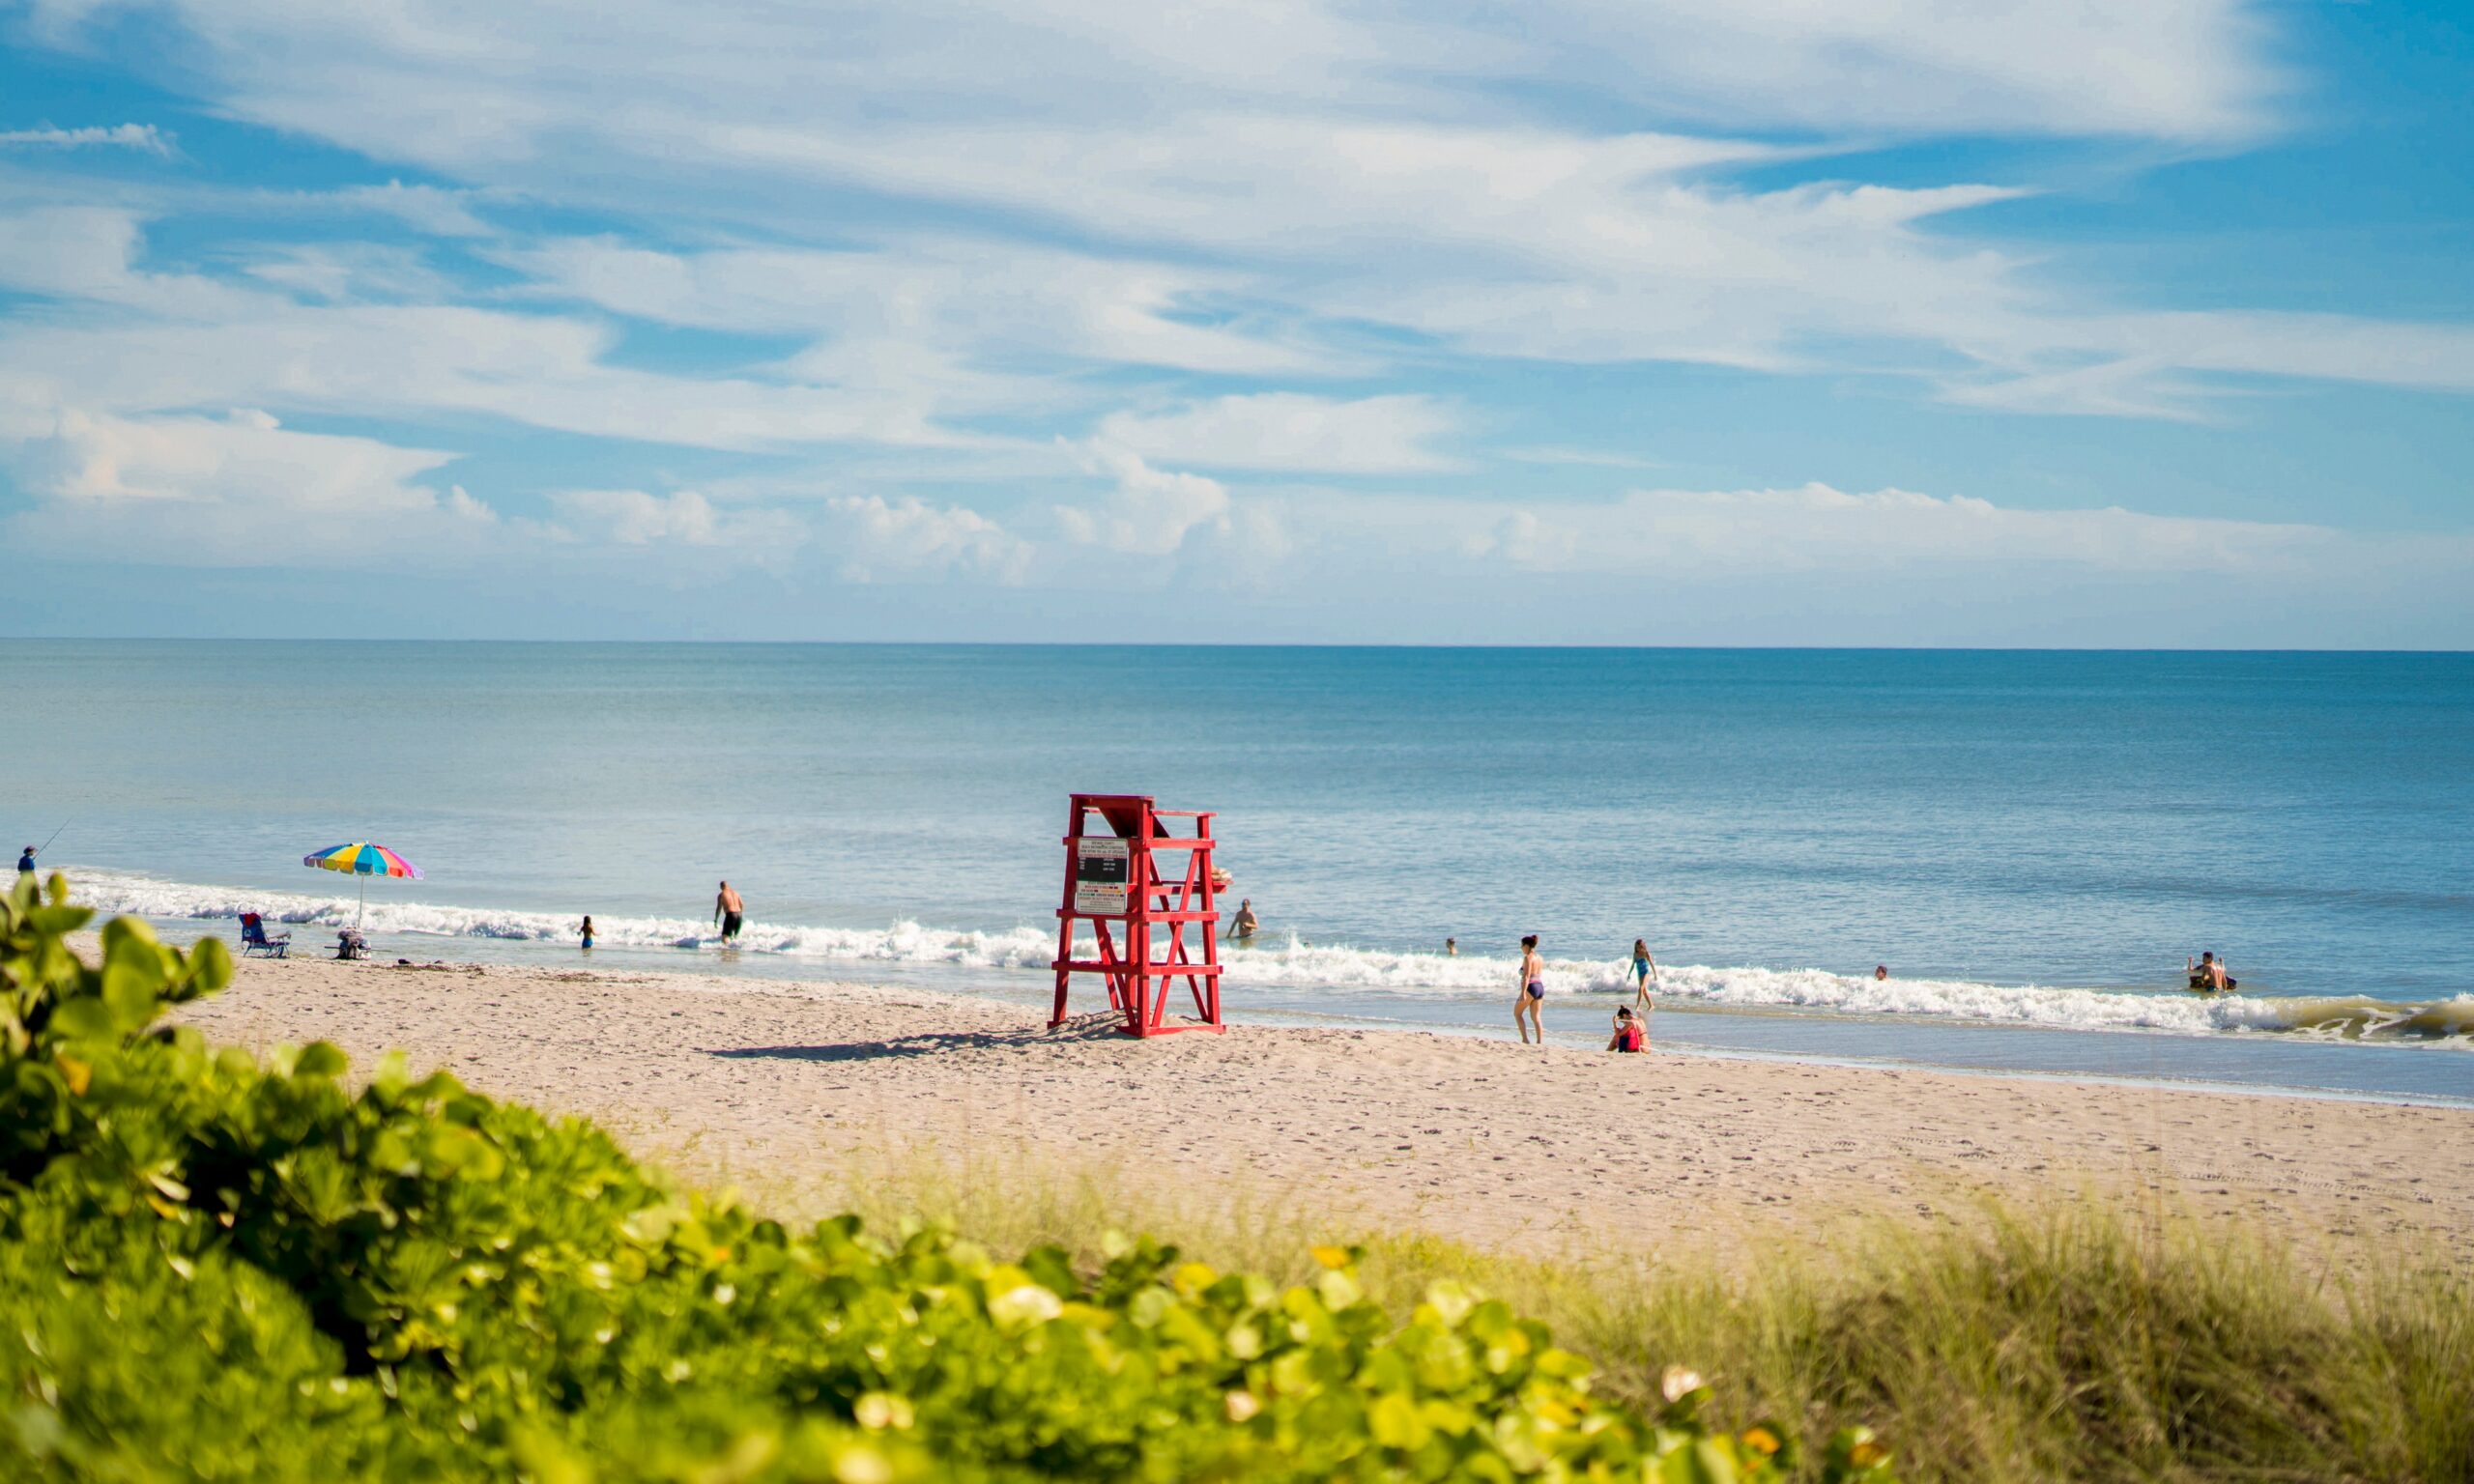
(1532, 992)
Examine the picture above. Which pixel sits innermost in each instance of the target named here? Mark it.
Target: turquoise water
(2031, 843)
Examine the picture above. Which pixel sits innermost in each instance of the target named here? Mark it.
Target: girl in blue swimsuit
(1643, 968)
(1532, 992)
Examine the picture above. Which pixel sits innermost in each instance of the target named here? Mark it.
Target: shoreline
(797, 1087)
(2312, 1058)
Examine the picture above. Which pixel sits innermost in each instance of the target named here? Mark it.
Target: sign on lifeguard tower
(1136, 885)
(1101, 866)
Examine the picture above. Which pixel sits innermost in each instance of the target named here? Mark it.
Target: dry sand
(780, 1086)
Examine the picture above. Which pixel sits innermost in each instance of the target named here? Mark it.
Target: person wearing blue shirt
(26, 862)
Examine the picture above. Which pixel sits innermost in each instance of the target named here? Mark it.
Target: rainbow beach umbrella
(363, 860)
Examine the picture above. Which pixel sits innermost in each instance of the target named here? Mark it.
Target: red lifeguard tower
(1114, 844)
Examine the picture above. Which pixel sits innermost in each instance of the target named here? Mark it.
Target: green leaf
(209, 965)
(133, 986)
(84, 1018)
(320, 1059)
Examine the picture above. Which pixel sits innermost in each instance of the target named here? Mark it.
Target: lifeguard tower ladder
(1113, 876)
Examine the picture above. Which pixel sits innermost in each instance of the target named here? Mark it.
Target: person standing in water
(729, 911)
(1451, 948)
(1532, 995)
(1243, 928)
(1644, 969)
(587, 931)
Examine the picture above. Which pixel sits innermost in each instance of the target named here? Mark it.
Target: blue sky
(2126, 322)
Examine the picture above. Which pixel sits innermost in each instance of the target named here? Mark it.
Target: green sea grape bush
(213, 1266)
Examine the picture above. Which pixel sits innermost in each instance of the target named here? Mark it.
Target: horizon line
(1234, 644)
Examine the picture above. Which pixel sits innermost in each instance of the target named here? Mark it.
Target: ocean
(2031, 843)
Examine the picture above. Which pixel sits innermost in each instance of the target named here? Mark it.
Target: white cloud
(2193, 69)
(1291, 431)
(1583, 458)
(1150, 512)
(909, 537)
(1228, 218)
(195, 341)
(240, 490)
(144, 138)
(634, 518)
(1815, 527)
(428, 209)
(1439, 202)
(963, 299)
(465, 87)
(342, 272)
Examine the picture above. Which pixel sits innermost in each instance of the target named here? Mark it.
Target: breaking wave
(1299, 966)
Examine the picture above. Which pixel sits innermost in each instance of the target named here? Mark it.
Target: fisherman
(26, 862)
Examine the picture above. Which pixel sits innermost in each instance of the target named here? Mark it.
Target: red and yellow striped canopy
(363, 859)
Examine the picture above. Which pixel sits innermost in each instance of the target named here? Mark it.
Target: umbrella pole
(359, 912)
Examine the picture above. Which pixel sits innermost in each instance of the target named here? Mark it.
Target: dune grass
(2086, 1337)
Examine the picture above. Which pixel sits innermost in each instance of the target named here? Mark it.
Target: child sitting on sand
(1628, 1036)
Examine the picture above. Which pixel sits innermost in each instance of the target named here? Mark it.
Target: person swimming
(1880, 971)
(1451, 948)
(2208, 974)
(1629, 1034)
(1531, 993)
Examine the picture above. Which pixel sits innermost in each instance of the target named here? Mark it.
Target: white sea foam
(1300, 966)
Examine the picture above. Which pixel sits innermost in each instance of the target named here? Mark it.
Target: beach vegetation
(220, 1266)
(2091, 1334)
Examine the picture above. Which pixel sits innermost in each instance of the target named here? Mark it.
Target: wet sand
(780, 1086)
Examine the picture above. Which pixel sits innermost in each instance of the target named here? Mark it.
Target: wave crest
(1295, 965)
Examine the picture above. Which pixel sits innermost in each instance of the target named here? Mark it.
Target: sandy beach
(787, 1088)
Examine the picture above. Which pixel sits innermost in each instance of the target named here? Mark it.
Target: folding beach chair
(254, 939)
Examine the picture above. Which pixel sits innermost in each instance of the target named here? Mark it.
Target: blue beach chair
(254, 939)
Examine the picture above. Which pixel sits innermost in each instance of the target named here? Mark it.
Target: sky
(2123, 323)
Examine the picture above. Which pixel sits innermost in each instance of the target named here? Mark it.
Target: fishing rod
(55, 835)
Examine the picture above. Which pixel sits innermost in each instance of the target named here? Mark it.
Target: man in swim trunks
(1245, 921)
(2209, 972)
(729, 911)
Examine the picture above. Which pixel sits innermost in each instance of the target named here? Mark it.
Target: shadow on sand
(1082, 1028)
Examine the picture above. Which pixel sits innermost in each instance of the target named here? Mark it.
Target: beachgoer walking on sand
(587, 931)
(1644, 969)
(26, 862)
(1243, 928)
(729, 911)
(1531, 993)
(1629, 1034)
